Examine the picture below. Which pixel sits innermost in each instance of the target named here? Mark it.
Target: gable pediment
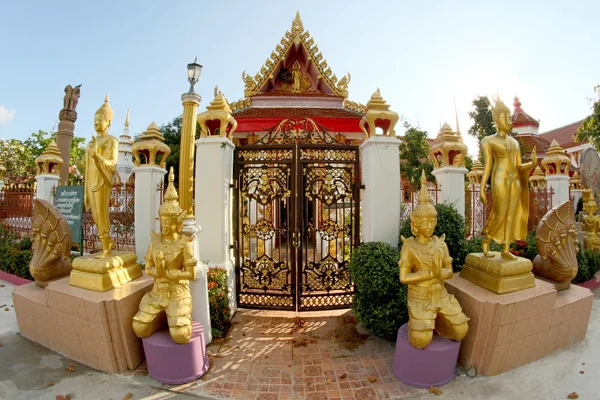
(296, 66)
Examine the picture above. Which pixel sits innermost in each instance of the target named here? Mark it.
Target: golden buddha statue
(591, 221)
(100, 166)
(171, 261)
(108, 269)
(424, 265)
(503, 272)
(510, 194)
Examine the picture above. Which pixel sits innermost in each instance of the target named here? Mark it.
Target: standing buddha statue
(171, 262)
(100, 165)
(424, 265)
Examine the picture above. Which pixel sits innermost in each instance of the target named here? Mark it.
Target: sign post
(69, 201)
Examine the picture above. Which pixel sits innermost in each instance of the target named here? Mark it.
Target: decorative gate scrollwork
(297, 222)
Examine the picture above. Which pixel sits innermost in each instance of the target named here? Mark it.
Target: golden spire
(424, 207)
(50, 161)
(456, 116)
(297, 26)
(170, 205)
(127, 119)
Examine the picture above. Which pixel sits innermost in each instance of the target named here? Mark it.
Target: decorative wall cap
(50, 161)
(151, 145)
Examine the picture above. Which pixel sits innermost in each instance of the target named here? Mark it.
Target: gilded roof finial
(297, 26)
(456, 116)
(216, 90)
(127, 118)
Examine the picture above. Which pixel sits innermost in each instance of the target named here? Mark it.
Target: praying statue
(509, 180)
(425, 263)
(171, 262)
(100, 165)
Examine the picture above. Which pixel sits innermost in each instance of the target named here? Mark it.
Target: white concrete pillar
(199, 286)
(576, 194)
(381, 200)
(147, 201)
(45, 184)
(560, 184)
(452, 186)
(213, 206)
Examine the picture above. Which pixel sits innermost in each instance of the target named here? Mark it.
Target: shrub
(451, 223)
(589, 264)
(525, 248)
(15, 254)
(379, 299)
(218, 299)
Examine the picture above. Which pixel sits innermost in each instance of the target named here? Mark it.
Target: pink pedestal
(432, 366)
(172, 363)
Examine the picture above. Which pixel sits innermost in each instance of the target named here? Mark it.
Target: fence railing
(16, 207)
(476, 214)
(122, 227)
(410, 196)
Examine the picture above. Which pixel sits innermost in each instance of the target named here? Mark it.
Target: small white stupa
(125, 160)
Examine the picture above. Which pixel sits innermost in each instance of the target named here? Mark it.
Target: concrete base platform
(514, 329)
(433, 366)
(93, 328)
(172, 363)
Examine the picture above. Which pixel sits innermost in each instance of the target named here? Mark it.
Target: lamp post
(191, 101)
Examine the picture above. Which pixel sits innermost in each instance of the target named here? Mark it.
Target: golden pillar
(190, 101)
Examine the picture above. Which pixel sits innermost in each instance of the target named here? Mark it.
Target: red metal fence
(16, 206)
(476, 214)
(122, 228)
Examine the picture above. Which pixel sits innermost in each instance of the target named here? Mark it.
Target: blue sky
(420, 54)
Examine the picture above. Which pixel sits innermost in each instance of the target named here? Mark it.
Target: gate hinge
(234, 245)
(233, 184)
(362, 186)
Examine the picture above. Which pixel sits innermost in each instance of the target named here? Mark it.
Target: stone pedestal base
(172, 363)
(514, 329)
(497, 274)
(432, 366)
(90, 327)
(102, 274)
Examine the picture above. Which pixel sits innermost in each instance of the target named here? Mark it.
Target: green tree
(414, 153)
(590, 128)
(483, 123)
(19, 156)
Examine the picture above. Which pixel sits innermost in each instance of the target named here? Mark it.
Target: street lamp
(194, 70)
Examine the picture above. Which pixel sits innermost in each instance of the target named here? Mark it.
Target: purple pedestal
(172, 363)
(433, 366)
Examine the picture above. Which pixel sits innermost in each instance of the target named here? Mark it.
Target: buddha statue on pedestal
(424, 265)
(107, 269)
(171, 261)
(503, 272)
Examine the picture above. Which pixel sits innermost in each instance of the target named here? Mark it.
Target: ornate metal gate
(297, 196)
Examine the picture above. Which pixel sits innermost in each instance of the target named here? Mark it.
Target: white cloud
(6, 115)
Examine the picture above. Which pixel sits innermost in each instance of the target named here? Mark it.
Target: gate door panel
(330, 228)
(264, 204)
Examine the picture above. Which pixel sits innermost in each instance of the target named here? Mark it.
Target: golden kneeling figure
(424, 265)
(170, 260)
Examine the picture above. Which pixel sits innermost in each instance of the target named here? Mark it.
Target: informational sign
(69, 201)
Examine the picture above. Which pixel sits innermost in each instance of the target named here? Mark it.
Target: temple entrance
(297, 202)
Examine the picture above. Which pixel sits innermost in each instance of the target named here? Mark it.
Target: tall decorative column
(2, 174)
(125, 158)
(47, 168)
(190, 101)
(448, 154)
(214, 169)
(380, 158)
(576, 189)
(477, 208)
(150, 155)
(66, 129)
(556, 165)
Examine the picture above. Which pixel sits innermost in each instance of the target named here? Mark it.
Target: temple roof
(531, 139)
(521, 118)
(564, 135)
(296, 67)
(296, 112)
